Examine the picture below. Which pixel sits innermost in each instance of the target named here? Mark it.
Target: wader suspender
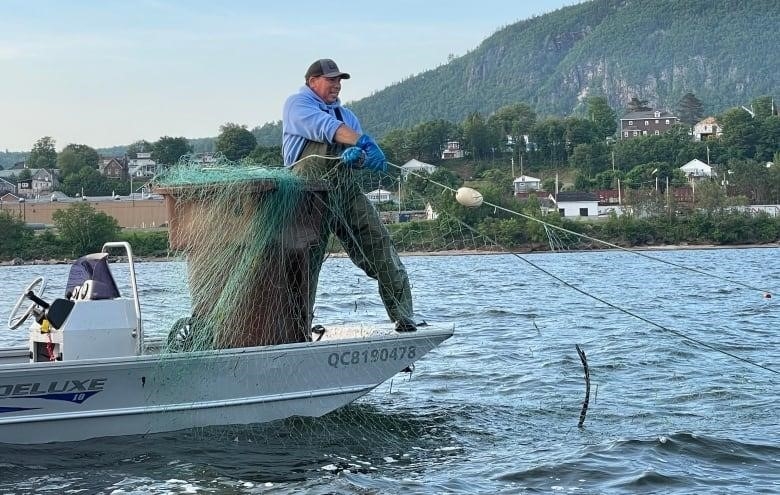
(332, 148)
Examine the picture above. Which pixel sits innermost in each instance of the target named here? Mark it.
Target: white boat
(88, 372)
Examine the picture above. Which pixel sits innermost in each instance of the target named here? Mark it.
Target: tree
(167, 150)
(14, 235)
(768, 143)
(590, 158)
(579, 131)
(739, 133)
(513, 122)
(396, 146)
(89, 181)
(603, 117)
(269, 134)
(74, 157)
(690, 109)
(550, 139)
(43, 154)
(267, 155)
(750, 178)
(142, 146)
(83, 229)
(476, 135)
(763, 106)
(425, 140)
(235, 141)
(637, 105)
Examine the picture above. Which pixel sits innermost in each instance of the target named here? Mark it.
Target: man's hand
(375, 158)
(353, 157)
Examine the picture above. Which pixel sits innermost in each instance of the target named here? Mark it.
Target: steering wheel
(15, 320)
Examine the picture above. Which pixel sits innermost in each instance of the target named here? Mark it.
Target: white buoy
(468, 197)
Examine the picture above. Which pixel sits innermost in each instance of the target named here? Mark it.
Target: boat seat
(90, 279)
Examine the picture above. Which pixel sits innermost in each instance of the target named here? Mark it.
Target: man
(323, 140)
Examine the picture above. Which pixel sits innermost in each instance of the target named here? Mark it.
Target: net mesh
(254, 239)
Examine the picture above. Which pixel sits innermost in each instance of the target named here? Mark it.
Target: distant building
(9, 198)
(24, 189)
(430, 213)
(417, 166)
(44, 180)
(205, 158)
(142, 165)
(647, 123)
(7, 186)
(379, 196)
(577, 204)
(707, 129)
(452, 150)
(696, 170)
(114, 167)
(526, 184)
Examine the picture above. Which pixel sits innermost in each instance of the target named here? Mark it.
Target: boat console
(92, 321)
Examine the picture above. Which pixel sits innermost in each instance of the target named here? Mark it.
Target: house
(44, 180)
(379, 196)
(7, 186)
(452, 150)
(10, 198)
(707, 129)
(577, 204)
(526, 184)
(430, 213)
(417, 166)
(142, 165)
(24, 189)
(609, 197)
(113, 167)
(205, 158)
(646, 123)
(697, 170)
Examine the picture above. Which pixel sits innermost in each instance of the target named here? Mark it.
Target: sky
(111, 72)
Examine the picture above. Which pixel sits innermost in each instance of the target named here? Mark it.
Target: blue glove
(375, 158)
(353, 157)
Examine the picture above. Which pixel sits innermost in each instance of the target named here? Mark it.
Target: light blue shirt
(306, 117)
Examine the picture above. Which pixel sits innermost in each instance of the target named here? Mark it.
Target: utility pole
(668, 205)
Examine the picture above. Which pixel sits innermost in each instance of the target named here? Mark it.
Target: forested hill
(723, 51)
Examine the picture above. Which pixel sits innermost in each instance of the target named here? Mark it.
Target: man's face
(326, 88)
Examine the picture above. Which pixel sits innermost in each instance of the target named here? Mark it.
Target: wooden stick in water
(587, 385)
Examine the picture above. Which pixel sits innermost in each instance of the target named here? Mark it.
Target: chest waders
(355, 222)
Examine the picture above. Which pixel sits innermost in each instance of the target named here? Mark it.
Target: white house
(526, 183)
(44, 181)
(430, 214)
(142, 165)
(577, 204)
(452, 150)
(697, 170)
(417, 166)
(707, 129)
(379, 196)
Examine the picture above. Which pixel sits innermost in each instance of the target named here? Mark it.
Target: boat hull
(68, 401)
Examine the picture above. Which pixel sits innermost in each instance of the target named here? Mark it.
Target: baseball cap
(325, 67)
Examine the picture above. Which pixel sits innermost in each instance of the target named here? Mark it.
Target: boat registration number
(352, 358)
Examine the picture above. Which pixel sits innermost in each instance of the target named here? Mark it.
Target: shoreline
(453, 252)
